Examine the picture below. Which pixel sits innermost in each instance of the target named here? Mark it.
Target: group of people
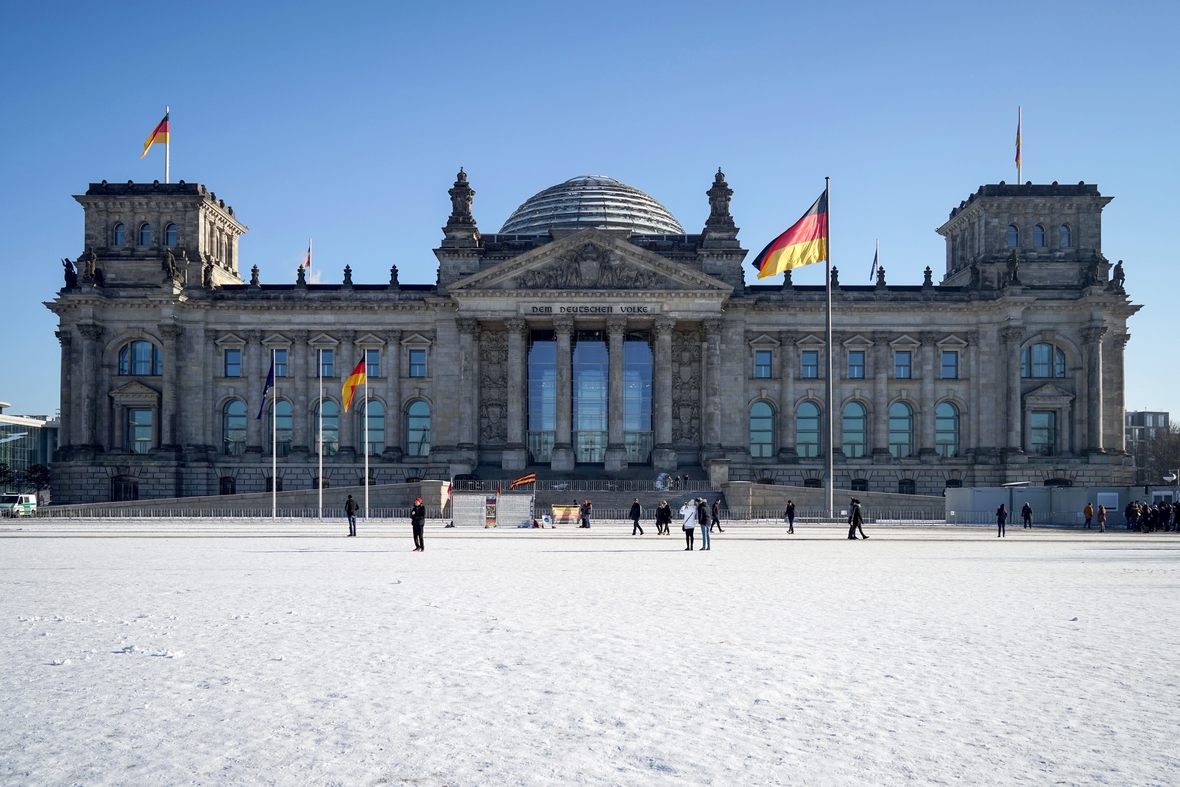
(417, 520)
(1148, 518)
(692, 513)
(1026, 515)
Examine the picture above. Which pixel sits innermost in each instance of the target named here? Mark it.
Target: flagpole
(274, 443)
(1019, 145)
(366, 358)
(320, 408)
(828, 381)
(168, 145)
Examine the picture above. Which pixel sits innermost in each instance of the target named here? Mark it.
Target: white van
(18, 505)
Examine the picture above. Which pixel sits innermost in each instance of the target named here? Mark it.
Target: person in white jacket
(688, 512)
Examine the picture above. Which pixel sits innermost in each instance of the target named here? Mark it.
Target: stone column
(563, 449)
(65, 419)
(1012, 336)
(1118, 395)
(89, 405)
(968, 443)
(616, 448)
(515, 455)
(210, 434)
(926, 417)
(880, 414)
(301, 414)
(786, 405)
(253, 383)
(349, 426)
(393, 401)
(468, 382)
(170, 401)
(711, 411)
(1092, 337)
(663, 457)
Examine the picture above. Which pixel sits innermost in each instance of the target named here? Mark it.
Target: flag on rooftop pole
(805, 242)
(356, 378)
(1019, 162)
(530, 478)
(876, 260)
(306, 264)
(161, 135)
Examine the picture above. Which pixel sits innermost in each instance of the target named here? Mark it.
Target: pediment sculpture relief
(592, 268)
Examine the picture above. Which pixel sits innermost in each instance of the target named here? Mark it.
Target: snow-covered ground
(217, 653)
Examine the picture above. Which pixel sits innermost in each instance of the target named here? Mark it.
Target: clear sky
(347, 122)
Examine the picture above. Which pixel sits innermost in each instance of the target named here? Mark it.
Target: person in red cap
(418, 523)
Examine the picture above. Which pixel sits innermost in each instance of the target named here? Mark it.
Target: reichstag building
(591, 333)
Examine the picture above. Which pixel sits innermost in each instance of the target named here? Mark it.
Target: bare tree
(1158, 455)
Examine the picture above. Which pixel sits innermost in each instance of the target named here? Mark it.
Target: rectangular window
(373, 363)
(1043, 432)
(139, 431)
(856, 364)
(417, 363)
(280, 363)
(810, 364)
(902, 360)
(327, 366)
(950, 365)
(762, 363)
(233, 363)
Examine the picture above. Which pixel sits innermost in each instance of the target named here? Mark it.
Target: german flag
(531, 478)
(804, 243)
(356, 378)
(159, 135)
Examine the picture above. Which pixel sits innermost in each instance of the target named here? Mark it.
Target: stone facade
(1009, 369)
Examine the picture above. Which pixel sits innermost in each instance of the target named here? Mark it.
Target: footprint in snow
(59, 662)
(1073, 620)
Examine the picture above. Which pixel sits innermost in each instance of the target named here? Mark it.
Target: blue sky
(347, 122)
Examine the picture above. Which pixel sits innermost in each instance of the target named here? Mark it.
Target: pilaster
(515, 455)
(663, 457)
(562, 457)
(616, 449)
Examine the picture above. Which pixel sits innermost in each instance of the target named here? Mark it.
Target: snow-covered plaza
(252, 652)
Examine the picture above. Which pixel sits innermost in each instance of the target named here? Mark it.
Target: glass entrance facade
(590, 378)
(637, 365)
(542, 388)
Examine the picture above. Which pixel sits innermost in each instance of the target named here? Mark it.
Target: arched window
(280, 419)
(331, 426)
(145, 234)
(1042, 360)
(141, 358)
(1039, 236)
(124, 487)
(233, 428)
(1013, 236)
(807, 430)
(418, 429)
(855, 429)
(813, 483)
(228, 485)
(946, 430)
(901, 429)
(906, 486)
(120, 234)
(376, 415)
(1065, 238)
(170, 235)
(859, 485)
(761, 430)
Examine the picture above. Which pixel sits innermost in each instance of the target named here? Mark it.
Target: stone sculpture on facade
(254, 280)
(1013, 269)
(592, 268)
(301, 278)
(348, 277)
(70, 273)
(394, 284)
(1117, 277)
(881, 277)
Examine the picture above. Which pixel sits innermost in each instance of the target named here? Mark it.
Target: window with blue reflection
(279, 419)
(542, 392)
(331, 426)
(637, 376)
(590, 373)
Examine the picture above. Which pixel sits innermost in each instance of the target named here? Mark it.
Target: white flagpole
(320, 360)
(274, 443)
(366, 359)
(1020, 145)
(828, 387)
(168, 145)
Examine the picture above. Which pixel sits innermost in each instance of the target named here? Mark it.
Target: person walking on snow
(688, 513)
(716, 522)
(855, 520)
(636, 512)
(664, 517)
(1001, 520)
(584, 511)
(418, 523)
(703, 518)
(1026, 515)
(1088, 513)
(1101, 519)
(350, 508)
(789, 515)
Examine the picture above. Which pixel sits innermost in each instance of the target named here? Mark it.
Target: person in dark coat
(703, 517)
(716, 517)
(350, 508)
(1001, 520)
(418, 523)
(585, 510)
(636, 512)
(855, 520)
(1026, 515)
(789, 515)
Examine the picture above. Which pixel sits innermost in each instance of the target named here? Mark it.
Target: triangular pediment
(764, 340)
(369, 340)
(810, 340)
(1048, 391)
(590, 260)
(858, 341)
(276, 340)
(134, 392)
(905, 342)
(230, 340)
(322, 340)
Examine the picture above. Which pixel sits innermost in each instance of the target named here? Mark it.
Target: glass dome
(591, 201)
